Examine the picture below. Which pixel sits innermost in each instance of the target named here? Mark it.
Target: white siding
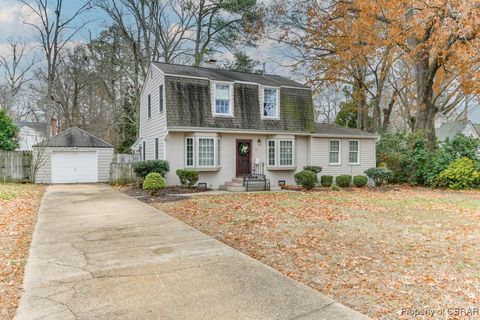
(156, 125)
(320, 148)
(175, 142)
(44, 173)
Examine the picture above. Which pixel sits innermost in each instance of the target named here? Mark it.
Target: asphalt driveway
(99, 254)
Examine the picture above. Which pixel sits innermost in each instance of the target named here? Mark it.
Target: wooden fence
(15, 166)
(121, 169)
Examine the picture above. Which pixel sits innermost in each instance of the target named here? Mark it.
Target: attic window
(223, 104)
(271, 103)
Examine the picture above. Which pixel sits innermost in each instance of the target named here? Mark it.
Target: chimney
(212, 63)
(54, 127)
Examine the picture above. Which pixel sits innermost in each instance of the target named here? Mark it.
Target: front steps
(236, 185)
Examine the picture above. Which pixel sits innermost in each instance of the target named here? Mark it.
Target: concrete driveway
(99, 254)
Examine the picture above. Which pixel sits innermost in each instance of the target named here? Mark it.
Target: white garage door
(74, 167)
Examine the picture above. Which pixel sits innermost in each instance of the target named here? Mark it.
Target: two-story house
(223, 123)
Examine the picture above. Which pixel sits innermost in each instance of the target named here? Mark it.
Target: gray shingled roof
(76, 137)
(336, 130)
(448, 130)
(225, 75)
(42, 127)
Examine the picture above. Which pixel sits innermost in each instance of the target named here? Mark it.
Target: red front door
(244, 157)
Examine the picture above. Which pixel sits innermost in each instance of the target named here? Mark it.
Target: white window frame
(262, 103)
(358, 152)
(339, 152)
(193, 152)
(231, 97)
(277, 154)
(196, 146)
(274, 153)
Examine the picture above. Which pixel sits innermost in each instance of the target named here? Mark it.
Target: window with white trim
(286, 153)
(206, 152)
(218, 152)
(280, 153)
(189, 152)
(271, 153)
(271, 103)
(223, 102)
(334, 155)
(353, 148)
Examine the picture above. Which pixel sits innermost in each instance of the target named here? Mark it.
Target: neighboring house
(448, 130)
(224, 123)
(31, 133)
(73, 156)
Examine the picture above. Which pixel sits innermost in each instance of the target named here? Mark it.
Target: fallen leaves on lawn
(18, 211)
(375, 250)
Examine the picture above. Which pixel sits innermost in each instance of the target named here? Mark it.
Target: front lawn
(18, 213)
(376, 251)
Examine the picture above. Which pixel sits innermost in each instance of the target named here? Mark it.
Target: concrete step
(275, 188)
(234, 183)
(235, 189)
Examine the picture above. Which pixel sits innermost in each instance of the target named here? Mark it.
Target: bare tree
(54, 32)
(16, 70)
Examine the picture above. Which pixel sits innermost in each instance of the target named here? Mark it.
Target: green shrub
(343, 181)
(143, 168)
(315, 169)
(187, 177)
(307, 179)
(154, 182)
(379, 175)
(360, 181)
(460, 174)
(335, 188)
(326, 181)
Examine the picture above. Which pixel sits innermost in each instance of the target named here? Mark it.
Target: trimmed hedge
(187, 177)
(154, 182)
(143, 168)
(326, 181)
(379, 175)
(315, 169)
(360, 181)
(343, 181)
(306, 178)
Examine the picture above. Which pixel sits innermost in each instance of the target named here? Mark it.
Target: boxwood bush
(315, 169)
(326, 181)
(154, 182)
(379, 175)
(360, 181)
(143, 168)
(306, 178)
(343, 181)
(187, 177)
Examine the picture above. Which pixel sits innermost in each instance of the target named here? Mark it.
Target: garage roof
(75, 137)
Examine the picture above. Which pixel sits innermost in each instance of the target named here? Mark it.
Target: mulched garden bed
(169, 194)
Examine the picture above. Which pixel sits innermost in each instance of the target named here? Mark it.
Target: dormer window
(223, 102)
(271, 103)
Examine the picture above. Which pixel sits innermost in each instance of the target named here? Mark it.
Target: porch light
(259, 141)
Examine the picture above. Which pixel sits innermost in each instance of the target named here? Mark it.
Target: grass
(376, 251)
(18, 212)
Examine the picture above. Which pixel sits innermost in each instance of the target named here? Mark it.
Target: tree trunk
(426, 110)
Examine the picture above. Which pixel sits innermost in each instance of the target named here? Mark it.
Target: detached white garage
(73, 156)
